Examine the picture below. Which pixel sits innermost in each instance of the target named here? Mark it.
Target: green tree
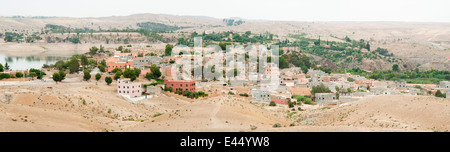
(60, 65)
(128, 73)
(155, 72)
(7, 66)
(320, 89)
(395, 67)
(137, 72)
(102, 68)
(87, 75)
(115, 70)
(1, 68)
(117, 75)
(84, 61)
(272, 103)
(120, 48)
(98, 76)
(93, 50)
(56, 77)
(168, 50)
(19, 74)
(108, 80)
(74, 65)
(439, 94)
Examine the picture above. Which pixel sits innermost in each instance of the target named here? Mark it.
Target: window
(181, 85)
(187, 85)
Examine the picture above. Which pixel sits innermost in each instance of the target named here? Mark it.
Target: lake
(28, 62)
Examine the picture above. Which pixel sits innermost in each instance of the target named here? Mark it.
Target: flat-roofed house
(129, 88)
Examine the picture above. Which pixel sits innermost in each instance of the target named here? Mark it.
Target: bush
(244, 94)
(230, 93)
(276, 125)
(308, 101)
(272, 103)
(19, 74)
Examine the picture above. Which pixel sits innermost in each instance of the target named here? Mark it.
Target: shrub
(244, 94)
(308, 101)
(272, 103)
(276, 125)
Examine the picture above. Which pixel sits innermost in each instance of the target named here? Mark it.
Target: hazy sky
(293, 10)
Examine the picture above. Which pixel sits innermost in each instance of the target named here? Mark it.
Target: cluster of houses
(289, 82)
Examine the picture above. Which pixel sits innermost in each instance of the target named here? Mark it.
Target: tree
(128, 73)
(115, 70)
(1, 68)
(56, 77)
(19, 74)
(7, 66)
(60, 65)
(120, 48)
(155, 72)
(347, 39)
(93, 50)
(63, 75)
(439, 94)
(101, 67)
(74, 65)
(87, 75)
(59, 76)
(98, 76)
(137, 72)
(108, 80)
(272, 103)
(168, 50)
(117, 75)
(320, 89)
(84, 61)
(133, 77)
(368, 46)
(395, 67)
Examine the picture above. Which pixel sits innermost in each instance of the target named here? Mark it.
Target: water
(28, 62)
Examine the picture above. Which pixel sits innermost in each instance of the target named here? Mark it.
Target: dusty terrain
(44, 106)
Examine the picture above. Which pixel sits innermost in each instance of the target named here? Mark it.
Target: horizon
(284, 10)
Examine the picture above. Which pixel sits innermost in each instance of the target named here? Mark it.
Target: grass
(158, 114)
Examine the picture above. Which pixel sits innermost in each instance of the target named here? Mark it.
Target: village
(152, 75)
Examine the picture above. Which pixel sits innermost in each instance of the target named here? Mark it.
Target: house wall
(126, 87)
(258, 95)
(183, 84)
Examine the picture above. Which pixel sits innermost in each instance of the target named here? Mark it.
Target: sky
(283, 10)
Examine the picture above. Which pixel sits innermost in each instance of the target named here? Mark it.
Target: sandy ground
(44, 106)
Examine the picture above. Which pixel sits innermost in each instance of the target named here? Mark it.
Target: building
(279, 100)
(154, 90)
(146, 61)
(259, 95)
(444, 84)
(399, 84)
(128, 88)
(121, 65)
(325, 98)
(183, 84)
(415, 91)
